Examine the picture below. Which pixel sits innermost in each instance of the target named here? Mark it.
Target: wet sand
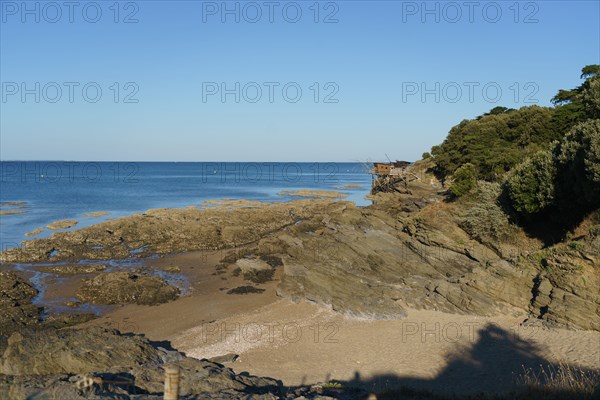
(206, 300)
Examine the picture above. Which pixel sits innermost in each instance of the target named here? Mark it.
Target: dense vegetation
(497, 141)
(464, 180)
(531, 184)
(566, 177)
(544, 161)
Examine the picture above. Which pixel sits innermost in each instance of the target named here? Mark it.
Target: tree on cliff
(463, 180)
(498, 140)
(581, 103)
(530, 185)
(578, 165)
(565, 178)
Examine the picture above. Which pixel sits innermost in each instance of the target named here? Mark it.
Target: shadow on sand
(490, 368)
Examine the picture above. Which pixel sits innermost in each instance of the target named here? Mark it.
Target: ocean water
(56, 190)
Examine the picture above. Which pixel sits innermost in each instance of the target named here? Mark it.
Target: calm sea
(55, 190)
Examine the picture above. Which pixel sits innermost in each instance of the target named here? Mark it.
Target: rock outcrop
(402, 253)
(566, 290)
(16, 309)
(126, 288)
(98, 363)
(371, 262)
(166, 231)
(62, 224)
(255, 269)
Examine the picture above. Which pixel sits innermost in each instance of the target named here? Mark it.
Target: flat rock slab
(95, 214)
(331, 194)
(11, 212)
(126, 288)
(35, 232)
(224, 359)
(74, 269)
(63, 224)
(252, 265)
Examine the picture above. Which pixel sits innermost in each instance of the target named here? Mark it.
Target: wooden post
(171, 382)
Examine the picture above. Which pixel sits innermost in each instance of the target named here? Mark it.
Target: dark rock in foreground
(100, 363)
(16, 311)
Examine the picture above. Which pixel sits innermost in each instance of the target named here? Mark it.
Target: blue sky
(370, 68)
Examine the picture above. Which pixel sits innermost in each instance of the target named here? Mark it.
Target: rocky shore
(165, 231)
(99, 363)
(411, 249)
(126, 288)
(407, 250)
(16, 309)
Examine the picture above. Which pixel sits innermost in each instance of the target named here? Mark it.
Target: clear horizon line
(186, 161)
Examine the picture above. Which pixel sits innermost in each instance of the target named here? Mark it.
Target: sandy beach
(304, 343)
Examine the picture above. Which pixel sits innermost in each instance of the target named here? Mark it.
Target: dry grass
(438, 214)
(562, 382)
(556, 381)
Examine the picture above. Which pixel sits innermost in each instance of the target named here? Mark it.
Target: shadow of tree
(489, 369)
(550, 226)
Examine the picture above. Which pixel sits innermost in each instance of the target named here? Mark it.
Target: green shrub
(496, 142)
(594, 232)
(485, 220)
(463, 180)
(576, 245)
(530, 186)
(578, 162)
(591, 97)
(564, 180)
